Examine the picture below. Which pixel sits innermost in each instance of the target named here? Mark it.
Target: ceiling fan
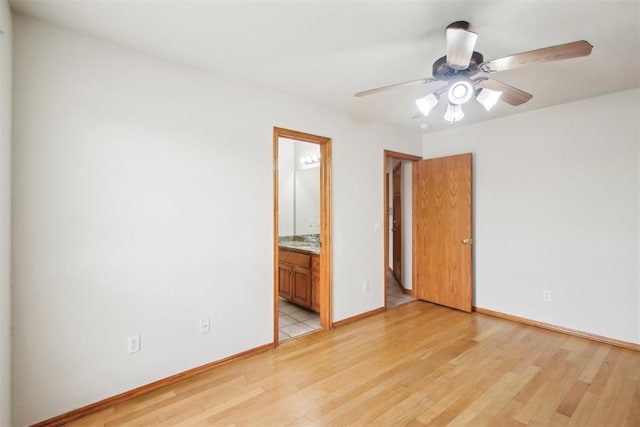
(462, 63)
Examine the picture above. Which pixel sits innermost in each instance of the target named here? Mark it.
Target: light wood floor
(416, 364)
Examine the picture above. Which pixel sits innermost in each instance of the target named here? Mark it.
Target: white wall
(135, 213)
(5, 213)
(556, 195)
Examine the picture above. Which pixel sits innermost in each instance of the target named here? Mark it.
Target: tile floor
(395, 296)
(295, 320)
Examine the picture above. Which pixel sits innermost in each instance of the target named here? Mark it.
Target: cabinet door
(285, 281)
(301, 287)
(315, 292)
(315, 283)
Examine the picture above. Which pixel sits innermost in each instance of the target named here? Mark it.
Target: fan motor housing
(443, 71)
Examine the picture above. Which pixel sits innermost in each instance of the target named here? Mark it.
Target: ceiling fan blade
(538, 56)
(460, 44)
(510, 94)
(418, 82)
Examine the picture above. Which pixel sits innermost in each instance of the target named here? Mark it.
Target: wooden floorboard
(416, 364)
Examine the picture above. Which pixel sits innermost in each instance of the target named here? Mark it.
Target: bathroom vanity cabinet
(299, 278)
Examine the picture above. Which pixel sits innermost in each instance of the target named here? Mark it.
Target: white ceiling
(328, 50)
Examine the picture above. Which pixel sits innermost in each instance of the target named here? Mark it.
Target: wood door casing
(388, 156)
(397, 222)
(442, 221)
(324, 292)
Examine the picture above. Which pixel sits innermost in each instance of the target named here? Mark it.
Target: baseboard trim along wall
(358, 317)
(114, 400)
(119, 398)
(568, 331)
(67, 417)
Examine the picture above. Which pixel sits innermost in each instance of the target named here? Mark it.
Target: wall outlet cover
(133, 344)
(205, 325)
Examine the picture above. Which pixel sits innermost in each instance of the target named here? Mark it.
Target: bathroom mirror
(307, 201)
(299, 188)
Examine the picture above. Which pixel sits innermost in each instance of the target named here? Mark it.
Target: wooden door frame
(326, 257)
(386, 155)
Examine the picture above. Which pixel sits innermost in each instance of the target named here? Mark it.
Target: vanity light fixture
(309, 160)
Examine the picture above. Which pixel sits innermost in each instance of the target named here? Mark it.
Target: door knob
(467, 241)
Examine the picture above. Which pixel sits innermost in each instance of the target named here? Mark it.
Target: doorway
(302, 233)
(441, 268)
(398, 263)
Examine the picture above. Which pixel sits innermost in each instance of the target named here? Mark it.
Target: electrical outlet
(133, 344)
(546, 296)
(205, 326)
(365, 286)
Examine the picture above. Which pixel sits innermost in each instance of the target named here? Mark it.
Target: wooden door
(442, 231)
(397, 223)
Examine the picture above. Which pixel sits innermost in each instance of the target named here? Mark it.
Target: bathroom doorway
(302, 233)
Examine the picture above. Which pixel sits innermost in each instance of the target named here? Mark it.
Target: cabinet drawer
(295, 258)
(315, 263)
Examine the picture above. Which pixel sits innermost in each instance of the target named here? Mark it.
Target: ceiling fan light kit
(461, 63)
(460, 92)
(426, 104)
(488, 98)
(454, 113)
